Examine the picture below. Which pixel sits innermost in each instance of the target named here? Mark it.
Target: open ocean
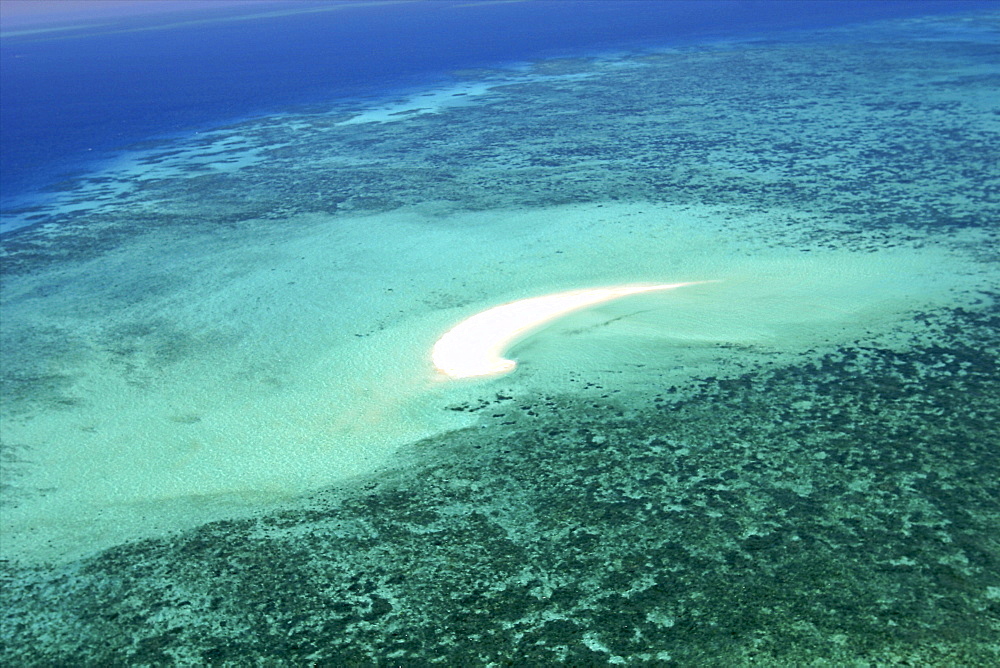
(79, 90)
(232, 234)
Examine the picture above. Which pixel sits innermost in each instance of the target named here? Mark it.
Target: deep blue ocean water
(74, 95)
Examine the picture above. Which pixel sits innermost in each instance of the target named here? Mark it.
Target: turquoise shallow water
(224, 440)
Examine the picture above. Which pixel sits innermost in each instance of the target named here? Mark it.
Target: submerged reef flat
(223, 440)
(896, 130)
(843, 509)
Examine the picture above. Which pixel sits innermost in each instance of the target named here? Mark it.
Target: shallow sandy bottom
(265, 370)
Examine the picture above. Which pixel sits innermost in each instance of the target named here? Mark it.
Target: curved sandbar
(474, 347)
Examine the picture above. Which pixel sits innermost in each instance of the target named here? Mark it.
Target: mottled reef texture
(842, 510)
(881, 131)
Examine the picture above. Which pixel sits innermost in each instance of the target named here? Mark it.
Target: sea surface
(78, 92)
(231, 237)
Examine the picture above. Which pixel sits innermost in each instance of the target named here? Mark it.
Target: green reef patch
(844, 509)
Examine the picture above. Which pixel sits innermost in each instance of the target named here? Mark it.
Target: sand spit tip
(474, 347)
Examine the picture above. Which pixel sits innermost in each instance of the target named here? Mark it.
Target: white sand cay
(474, 347)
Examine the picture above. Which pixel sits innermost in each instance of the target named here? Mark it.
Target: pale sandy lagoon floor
(795, 463)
